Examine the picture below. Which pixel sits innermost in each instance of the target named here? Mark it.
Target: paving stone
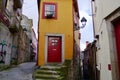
(21, 72)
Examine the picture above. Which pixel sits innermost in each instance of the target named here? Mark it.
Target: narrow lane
(21, 72)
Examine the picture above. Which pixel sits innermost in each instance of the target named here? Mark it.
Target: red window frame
(43, 10)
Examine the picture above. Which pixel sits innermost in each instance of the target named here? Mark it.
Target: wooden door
(117, 37)
(54, 49)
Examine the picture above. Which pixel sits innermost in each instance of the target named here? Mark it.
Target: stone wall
(5, 44)
(23, 47)
(76, 62)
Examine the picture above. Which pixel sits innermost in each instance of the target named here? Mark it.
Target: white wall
(102, 9)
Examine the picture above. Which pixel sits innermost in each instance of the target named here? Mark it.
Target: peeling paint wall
(14, 54)
(23, 47)
(5, 44)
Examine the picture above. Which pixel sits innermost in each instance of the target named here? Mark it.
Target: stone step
(50, 67)
(51, 79)
(47, 72)
(46, 76)
(50, 72)
(45, 79)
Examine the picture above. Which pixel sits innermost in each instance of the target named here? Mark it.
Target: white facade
(104, 12)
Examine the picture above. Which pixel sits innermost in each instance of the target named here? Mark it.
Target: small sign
(109, 67)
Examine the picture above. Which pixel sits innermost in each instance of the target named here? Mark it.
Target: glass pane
(53, 40)
(49, 9)
(52, 7)
(56, 41)
(53, 44)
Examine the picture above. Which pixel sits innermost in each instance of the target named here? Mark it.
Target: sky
(87, 32)
(30, 10)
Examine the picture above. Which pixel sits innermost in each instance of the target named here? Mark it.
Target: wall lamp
(83, 21)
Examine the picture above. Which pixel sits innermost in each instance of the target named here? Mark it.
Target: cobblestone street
(21, 72)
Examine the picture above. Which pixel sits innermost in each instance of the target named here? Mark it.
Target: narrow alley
(23, 71)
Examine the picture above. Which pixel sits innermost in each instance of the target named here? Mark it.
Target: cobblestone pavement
(21, 72)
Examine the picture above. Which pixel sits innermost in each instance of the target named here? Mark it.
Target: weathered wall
(103, 9)
(6, 43)
(23, 47)
(15, 40)
(14, 52)
(89, 62)
(25, 37)
(76, 52)
(76, 62)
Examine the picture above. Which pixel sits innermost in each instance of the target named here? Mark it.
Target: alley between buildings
(21, 72)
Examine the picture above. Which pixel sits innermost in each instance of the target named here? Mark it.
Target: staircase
(51, 72)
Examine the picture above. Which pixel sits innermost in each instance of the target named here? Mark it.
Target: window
(49, 11)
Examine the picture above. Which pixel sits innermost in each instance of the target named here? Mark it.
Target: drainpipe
(38, 1)
(93, 13)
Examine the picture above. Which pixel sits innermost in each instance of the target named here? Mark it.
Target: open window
(49, 11)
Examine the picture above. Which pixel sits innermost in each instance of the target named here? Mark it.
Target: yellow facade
(62, 25)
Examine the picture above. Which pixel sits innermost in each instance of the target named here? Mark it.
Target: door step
(50, 73)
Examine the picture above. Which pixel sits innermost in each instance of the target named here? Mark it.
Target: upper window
(49, 11)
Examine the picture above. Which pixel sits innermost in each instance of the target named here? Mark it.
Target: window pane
(49, 10)
(47, 7)
(52, 7)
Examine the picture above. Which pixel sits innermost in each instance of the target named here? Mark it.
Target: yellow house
(55, 31)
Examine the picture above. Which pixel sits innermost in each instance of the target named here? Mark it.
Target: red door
(117, 36)
(54, 49)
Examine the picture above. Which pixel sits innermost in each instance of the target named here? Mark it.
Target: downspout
(38, 1)
(92, 6)
(93, 13)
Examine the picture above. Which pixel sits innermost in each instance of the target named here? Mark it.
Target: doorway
(117, 39)
(54, 52)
